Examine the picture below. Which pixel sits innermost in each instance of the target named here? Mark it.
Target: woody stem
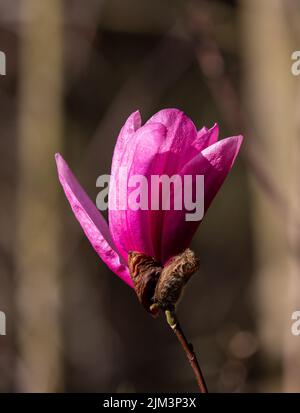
(188, 349)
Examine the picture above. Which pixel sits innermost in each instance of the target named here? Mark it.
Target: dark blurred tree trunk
(271, 98)
(37, 250)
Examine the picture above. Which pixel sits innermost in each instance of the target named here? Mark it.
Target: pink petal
(145, 158)
(206, 137)
(214, 163)
(122, 225)
(91, 221)
(175, 151)
(132, 124)
(221, 157)
(181, 133)
(125, 141)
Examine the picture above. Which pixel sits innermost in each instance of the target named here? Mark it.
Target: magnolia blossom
(167, 144)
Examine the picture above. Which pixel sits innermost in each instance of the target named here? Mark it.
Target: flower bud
(144, 272)
(173, 278)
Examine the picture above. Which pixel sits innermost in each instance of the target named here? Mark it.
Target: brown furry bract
(161, 286)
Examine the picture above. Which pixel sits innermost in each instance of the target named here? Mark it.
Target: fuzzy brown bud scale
(173, 278)
(160, 287)
(144, 272)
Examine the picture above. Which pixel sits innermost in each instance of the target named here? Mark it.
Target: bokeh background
(75, 71)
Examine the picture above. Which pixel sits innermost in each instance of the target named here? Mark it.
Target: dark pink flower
(168, 144)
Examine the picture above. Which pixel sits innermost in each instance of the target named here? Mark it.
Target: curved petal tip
(92, 222)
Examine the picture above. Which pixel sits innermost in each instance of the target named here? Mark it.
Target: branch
(173, 322)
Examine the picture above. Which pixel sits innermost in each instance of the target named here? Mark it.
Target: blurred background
(75, 71)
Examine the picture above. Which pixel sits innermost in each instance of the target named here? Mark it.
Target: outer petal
(91, 221)
(145, 161)
(132, 124)
(147, 139)
(125, 141)
(214, 163)
(175, 151)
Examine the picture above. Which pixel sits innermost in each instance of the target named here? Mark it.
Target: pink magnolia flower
(168, 143)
